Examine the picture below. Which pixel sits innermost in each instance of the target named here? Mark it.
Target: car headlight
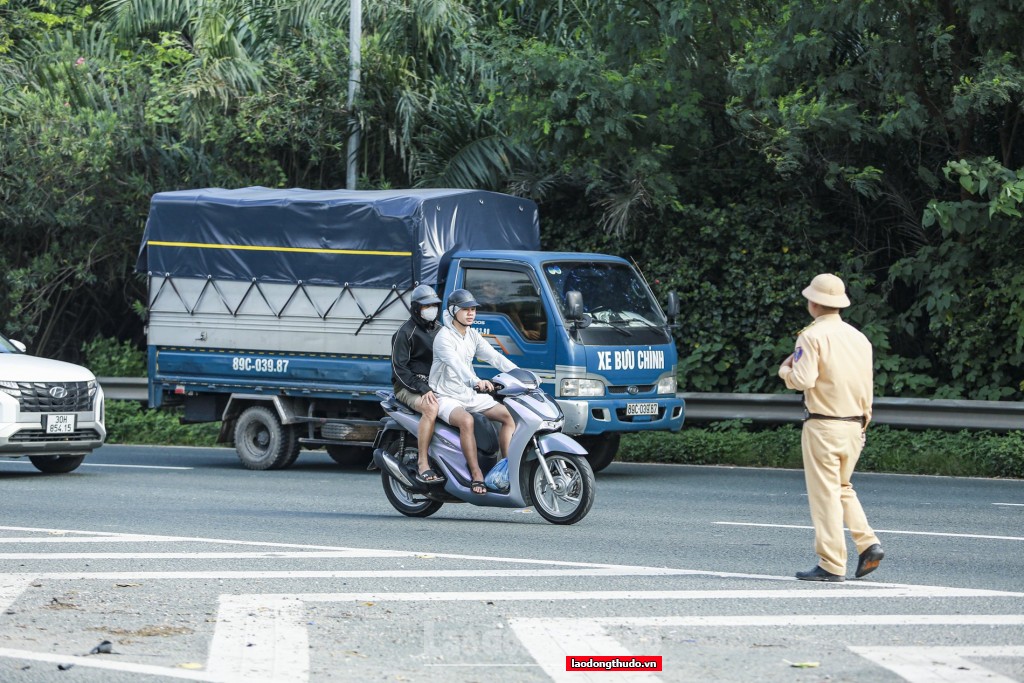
(668, 385)
(10, 388)
(91, 386)
(581, 387)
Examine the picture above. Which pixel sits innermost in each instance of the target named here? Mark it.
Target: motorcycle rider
(453, 380)
(412, 352)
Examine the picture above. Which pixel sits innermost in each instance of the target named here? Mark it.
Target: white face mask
(429, 314)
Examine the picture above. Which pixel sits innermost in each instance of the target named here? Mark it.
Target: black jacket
(412, 352)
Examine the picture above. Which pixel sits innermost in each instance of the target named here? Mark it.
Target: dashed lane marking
(930, 664)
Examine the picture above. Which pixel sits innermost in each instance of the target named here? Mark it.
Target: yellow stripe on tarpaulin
(243, 247)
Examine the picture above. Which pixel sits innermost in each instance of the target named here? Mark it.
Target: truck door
(512, 316)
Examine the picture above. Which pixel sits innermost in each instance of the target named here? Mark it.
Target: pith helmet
(827, 290)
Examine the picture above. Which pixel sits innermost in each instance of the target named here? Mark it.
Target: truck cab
(590, 327)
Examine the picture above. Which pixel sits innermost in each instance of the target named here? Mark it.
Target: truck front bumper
(597, 416)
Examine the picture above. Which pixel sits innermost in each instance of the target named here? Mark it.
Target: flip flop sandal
(429, 476)
(478, 485)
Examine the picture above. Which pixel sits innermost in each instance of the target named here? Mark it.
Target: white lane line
(549, 642)
(111, 665)
(885, 531)
(270, 554)
(260, 639)
(940, 664)
(828, 593)
(1011, 505)
(102, 464)
(351, 574)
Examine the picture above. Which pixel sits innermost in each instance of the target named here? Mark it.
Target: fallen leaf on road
(802, 665)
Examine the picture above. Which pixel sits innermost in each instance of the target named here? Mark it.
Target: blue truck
(272, 311)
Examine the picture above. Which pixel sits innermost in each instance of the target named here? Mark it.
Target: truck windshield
(614, 294)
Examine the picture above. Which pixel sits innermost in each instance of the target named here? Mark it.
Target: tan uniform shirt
(832, 366)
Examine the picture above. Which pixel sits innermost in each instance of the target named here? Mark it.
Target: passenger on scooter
(453, 380)
(412, 352)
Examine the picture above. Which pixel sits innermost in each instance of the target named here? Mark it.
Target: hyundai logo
(632, 389)
(58, 392)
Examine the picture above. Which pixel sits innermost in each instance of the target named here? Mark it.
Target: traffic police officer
(832, 366)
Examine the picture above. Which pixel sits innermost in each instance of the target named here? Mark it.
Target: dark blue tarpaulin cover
(328, 237)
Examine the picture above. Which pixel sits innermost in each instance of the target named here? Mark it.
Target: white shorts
(479, 404)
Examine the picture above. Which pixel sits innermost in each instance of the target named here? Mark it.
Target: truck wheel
(601, 449)
(56, 464)
(262, 442)
(350, 456)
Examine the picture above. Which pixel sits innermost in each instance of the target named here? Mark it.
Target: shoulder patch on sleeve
(798, 353)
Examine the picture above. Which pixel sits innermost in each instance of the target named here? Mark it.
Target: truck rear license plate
(60, 424)
(641, 409)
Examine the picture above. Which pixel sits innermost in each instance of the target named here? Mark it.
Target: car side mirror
(574, 305)
(18, 345)
(673, 306)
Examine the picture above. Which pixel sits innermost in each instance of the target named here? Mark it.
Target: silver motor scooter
(546, 468)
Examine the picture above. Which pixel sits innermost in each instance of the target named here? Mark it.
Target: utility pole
(355, 35)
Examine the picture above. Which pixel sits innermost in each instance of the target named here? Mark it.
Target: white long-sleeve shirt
(451, 373)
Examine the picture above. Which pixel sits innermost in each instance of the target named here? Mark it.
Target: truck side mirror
(673, 306)
(574, 305)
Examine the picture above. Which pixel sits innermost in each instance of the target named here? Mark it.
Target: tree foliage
(733, 151)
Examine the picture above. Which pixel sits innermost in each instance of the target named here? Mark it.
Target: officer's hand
(788, 363)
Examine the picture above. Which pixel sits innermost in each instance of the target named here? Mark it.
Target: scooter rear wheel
(407, 502)
(572, 496)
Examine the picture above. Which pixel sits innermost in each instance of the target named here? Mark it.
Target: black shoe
(869, 560)
(819, 574)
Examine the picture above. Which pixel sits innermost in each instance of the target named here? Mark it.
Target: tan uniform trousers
(831, 449)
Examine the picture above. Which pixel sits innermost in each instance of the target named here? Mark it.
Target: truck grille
(38, 397)
(39, 436)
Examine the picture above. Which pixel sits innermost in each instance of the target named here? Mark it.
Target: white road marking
(885, 531)
(102, 464)
(1012, 505)
(818, 620)
(827, 593)
(111, 665)
(549, 643)
(270, 554)
(939, 664)
(11, 587)
(260, 639)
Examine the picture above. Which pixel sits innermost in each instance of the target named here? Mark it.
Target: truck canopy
(388, 238)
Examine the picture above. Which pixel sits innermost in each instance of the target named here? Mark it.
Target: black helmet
(461, 298)
(424, 295)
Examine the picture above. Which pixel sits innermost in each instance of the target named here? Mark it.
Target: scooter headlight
(552, 425)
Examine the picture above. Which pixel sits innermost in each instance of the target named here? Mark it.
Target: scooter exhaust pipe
(386, 461)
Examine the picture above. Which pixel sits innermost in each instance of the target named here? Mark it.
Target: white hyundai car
(50, 411)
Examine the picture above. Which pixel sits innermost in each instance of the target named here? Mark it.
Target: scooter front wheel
(572, 495)
(405, 501)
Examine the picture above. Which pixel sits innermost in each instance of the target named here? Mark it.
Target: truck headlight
(581, 387)
(668, 385)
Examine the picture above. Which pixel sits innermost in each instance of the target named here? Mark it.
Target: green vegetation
(960, 454)
(733, 150)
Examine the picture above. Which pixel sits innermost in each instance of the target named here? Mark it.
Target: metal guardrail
(913, 413)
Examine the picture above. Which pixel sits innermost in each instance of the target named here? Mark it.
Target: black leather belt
(816, 416)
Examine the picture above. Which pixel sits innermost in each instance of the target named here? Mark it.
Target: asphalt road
(197, 569)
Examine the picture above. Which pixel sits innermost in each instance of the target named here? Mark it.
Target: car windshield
(6, 346)
(614, 294)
